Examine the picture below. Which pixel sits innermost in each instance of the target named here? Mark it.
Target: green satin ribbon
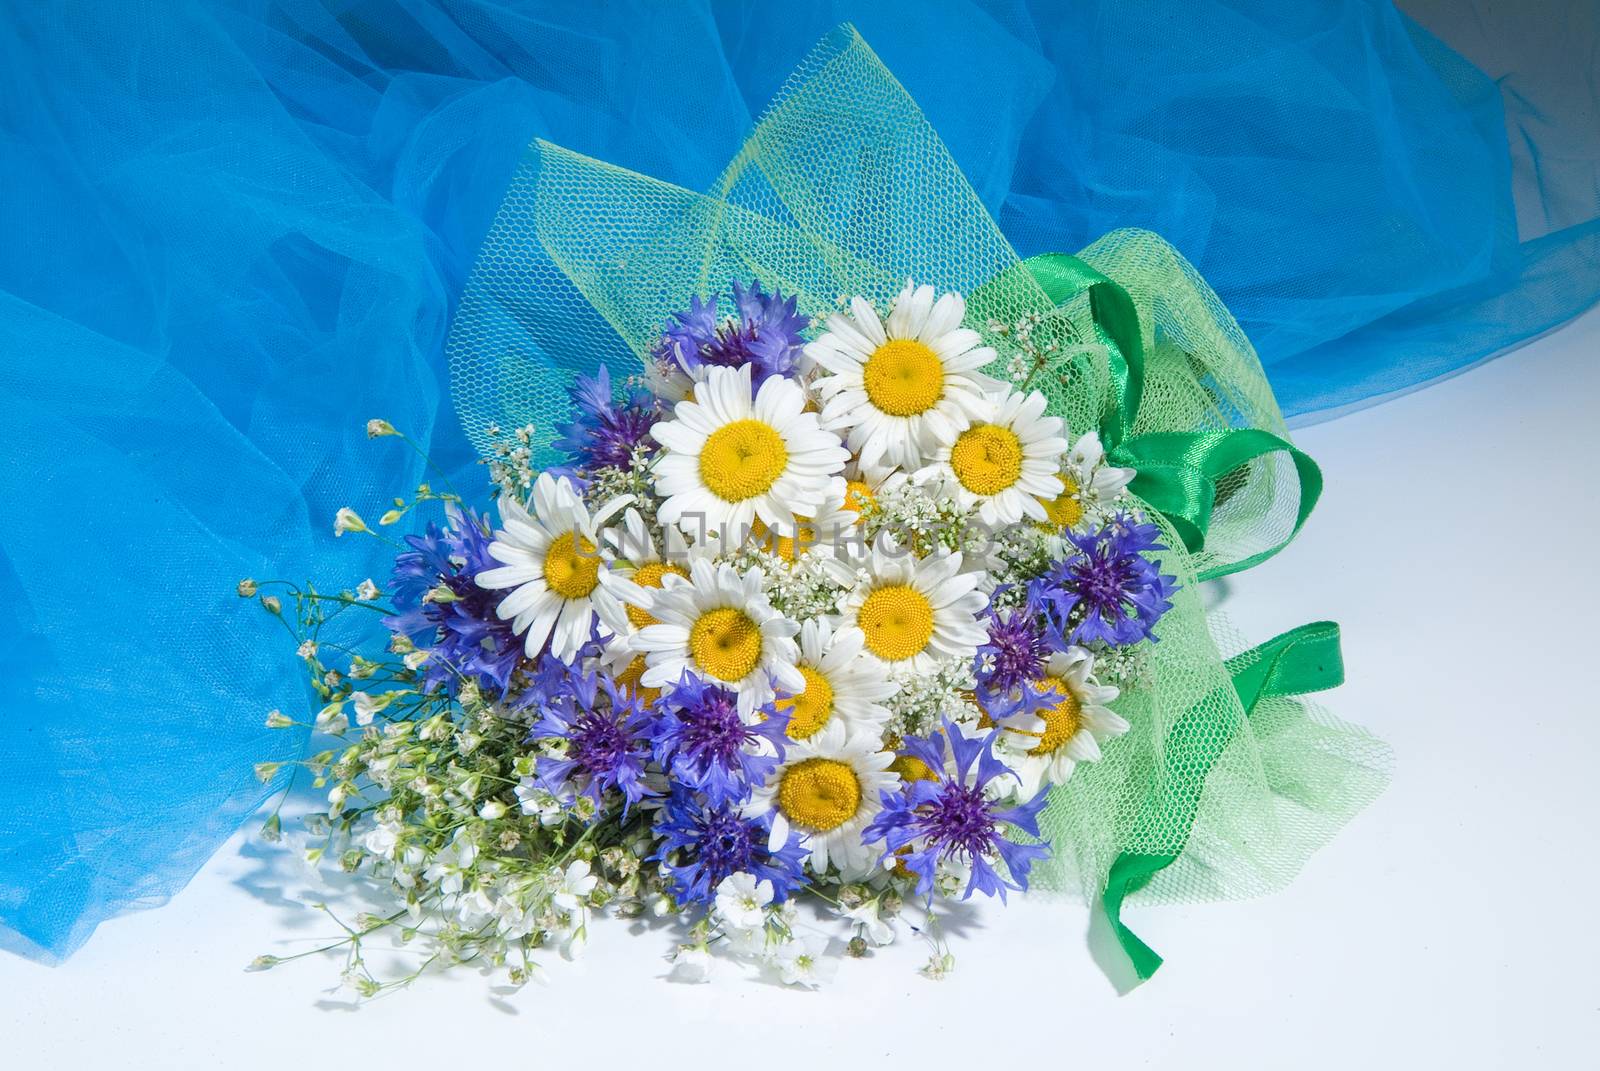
(1116, 324)
(1183, 475)
(1302, 660)
(1178, 471)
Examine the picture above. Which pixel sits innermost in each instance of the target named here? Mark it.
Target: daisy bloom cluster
(806, 628)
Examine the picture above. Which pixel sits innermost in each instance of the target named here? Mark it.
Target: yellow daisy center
(910, 768)
(1065, 510)
(1061, 721)
(859, 497)
(784, 546)
(742, 459)
(629, 679)
(903, 377)
(571, 566)
(649, 575)
(898, 621)
(809, 710)
(725, 643)
(819, 794)
(987, 459)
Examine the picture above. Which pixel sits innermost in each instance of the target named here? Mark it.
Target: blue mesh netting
(235, 231)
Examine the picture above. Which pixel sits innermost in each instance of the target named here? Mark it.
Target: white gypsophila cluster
(1125, 668)
(1018, 554)
(511, 461)
(610, 483)
(923, 700)
(801, 589)
(915, 515)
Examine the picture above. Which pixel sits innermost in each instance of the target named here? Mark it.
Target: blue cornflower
(701, 843)
(1106, 589)
(1015, 653)
(701, 741)
(604, 431)
(764, 335)
(607, 735)
(953, 817)
(466, 637)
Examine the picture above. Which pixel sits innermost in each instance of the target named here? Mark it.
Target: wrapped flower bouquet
(842, 564)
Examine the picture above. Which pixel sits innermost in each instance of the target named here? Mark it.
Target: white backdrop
(1451, 925)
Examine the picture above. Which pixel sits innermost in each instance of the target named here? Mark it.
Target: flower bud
(348, 520)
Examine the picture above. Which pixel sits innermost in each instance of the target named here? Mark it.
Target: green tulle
(1222, 788)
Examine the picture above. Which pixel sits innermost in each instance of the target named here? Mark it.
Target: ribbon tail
(1129, 874)
(1303, 660)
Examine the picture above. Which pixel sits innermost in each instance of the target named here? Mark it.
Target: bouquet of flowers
(873, 589)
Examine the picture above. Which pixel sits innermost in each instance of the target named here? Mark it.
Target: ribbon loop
(1178, 471)
(1178, 474)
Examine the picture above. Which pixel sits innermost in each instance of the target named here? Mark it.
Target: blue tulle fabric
(234, 231)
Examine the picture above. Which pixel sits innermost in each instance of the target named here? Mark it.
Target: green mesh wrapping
(844, 188)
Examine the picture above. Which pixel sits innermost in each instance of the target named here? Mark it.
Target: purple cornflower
(604, 432)
(765, 334)
(1015, 653)
(701, 741)
(955, 818)
(702, 843)
(466, 637)
(1106, 589)
(606, 733)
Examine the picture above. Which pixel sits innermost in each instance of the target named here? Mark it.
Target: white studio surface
(1450, 925)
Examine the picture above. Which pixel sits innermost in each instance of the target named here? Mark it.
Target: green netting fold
(844, 188)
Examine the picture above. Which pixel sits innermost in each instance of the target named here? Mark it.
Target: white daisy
(552, 565)
(841, 684)
(635, 563)
(721, 626)
(1005, 465)
(905, 387)
(916, 611)
(862, 486)
(731, 459)
(1044, 746)
(830, 787)
(820, 532)
(1090, 487)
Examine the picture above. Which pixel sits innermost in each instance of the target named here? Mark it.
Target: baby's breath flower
(331, 718)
